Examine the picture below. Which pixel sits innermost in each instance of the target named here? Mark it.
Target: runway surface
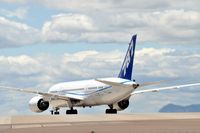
(117, 123)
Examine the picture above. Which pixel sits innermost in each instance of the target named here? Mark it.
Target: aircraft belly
(97, 97)
(108, 96)
(114, 97)
(58, 103)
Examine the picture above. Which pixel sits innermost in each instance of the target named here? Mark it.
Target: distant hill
(178, 108)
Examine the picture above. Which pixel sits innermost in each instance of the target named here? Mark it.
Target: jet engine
(37, 104)
(121, 105)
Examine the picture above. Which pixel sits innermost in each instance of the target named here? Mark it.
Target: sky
(44, 42)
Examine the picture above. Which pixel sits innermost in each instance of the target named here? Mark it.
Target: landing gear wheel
(72, 111)
(56, 113)
(75, 112)
(111, 111)
(52, 112)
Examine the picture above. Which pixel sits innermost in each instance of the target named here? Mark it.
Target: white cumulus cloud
(164, 27)
(67, 27)
(13, 34)
(169, 22)
(18, 13)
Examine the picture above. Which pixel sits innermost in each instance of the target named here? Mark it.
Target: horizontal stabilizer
(116, 84)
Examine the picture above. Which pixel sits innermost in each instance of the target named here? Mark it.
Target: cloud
(160, 22)
(14, 1)
(19, 13)
(15, 34)
(15, 65)
(111, 5)
(67, 27)
(161, 63)
(165, 27)
(149, 62)
(119, 6)
(166, 22)
(161, 27)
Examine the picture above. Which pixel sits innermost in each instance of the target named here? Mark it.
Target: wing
(164, 88)
(44, 94)
(155, 83)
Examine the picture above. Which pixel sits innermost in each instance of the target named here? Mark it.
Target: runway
(117, 123)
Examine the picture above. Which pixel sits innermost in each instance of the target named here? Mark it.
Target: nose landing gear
(55, 111)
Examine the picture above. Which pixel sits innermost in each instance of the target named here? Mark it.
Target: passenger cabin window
(92, 88)
(100, 87)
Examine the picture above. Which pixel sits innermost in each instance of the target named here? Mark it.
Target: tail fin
(127, 66)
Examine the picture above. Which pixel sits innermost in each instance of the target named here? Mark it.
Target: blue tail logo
(127, 66)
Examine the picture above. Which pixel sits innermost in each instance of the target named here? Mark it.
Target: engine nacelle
(121, 105)
(37, 104)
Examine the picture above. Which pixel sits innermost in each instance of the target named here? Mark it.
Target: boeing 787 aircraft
(114, 92)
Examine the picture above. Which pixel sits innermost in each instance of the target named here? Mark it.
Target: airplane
(114, 91)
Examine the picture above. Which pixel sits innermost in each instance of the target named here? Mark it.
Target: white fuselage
(91, 92)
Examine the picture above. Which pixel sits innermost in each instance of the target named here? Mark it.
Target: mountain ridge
(179, 108)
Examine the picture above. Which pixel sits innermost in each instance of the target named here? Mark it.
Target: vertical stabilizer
(127, 66)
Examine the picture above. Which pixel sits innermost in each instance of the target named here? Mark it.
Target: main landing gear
(111, 110)
(72, 111)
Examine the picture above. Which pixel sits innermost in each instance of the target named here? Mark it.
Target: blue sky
(45, 42)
